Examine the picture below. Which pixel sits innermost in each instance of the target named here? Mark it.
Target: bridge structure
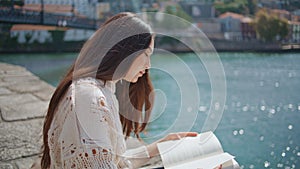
(12, 15)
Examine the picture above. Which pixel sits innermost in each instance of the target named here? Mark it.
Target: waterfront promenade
(23, 102)
(24, 99)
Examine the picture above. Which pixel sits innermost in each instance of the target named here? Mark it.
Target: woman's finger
(179, 135)
(188, 134)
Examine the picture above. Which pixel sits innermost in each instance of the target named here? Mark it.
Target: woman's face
(140, 64)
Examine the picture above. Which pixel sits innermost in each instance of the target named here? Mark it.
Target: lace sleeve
(136, 157)
(92, 135)
(94, 147)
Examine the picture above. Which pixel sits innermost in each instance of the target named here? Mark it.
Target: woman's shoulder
(107, 87)
(86, 81)
(89, 82)
(86, 86)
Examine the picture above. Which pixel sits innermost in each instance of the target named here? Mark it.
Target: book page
(205, 163)
(189, 148)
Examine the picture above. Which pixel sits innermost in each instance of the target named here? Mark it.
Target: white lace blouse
(86, 131)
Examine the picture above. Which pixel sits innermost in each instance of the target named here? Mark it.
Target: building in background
(296, 15)
(247, 29)
(198, 10)
(203, 15)
(81, 7)
(294, 32)
(40, 34)
(103, 10)
(274, 4)
(283, 14)
(231, 25)
(117, 6)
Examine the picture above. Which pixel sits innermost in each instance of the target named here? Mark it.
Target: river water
(260, 124)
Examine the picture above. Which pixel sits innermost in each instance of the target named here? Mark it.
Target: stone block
(17, 99)
(19, 78)
(25, 111)
(20, 139)
(6, 166)
(29, 86)
(45, 94)
(25, 163)
(5, 91)
(16, 72)
(5, 67)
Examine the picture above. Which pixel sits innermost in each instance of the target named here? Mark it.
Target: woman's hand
(220, 167)
(152, 148)
(177, 136)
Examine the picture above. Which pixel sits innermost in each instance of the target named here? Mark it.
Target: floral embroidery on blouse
(86, 131)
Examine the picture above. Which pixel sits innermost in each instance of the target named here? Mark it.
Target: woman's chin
(134, 80)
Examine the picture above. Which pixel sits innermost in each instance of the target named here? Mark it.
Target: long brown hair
(108, 55)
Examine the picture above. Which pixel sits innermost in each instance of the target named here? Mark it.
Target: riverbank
(175, 46)
(236, 46)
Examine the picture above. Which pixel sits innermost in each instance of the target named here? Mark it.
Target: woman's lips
(141, 73)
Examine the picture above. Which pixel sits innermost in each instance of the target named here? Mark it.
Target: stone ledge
(6, 166)
(23, 103)
(17, 99)
(5, 91)
(24, 111)
(29, 86)
(5, 67)
(20, 139)
(25, 163)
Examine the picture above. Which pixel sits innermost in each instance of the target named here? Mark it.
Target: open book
(201, 152)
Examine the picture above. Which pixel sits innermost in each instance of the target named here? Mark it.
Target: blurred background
(258, 42)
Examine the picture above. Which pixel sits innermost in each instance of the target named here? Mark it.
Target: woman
(104, 97)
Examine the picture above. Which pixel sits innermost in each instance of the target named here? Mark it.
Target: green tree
(178, 11)
(172, 22)
(6, 40)
(236, 6)
(270, 27)
(57, 36)
(251, 5)
(245, 7)
(28, 37)
(284, 28)
(57, 39)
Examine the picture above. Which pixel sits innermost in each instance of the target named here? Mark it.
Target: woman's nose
(148, 64)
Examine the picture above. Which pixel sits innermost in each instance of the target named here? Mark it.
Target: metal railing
(23, 16)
